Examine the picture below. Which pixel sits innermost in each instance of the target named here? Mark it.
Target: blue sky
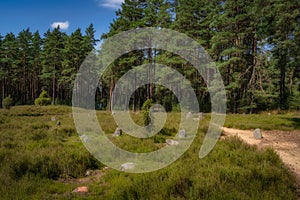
(41, 15)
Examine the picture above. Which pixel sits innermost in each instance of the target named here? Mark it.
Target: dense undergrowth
(38, 157)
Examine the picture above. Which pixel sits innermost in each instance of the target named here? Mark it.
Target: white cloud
(61, 25)
(114, 4)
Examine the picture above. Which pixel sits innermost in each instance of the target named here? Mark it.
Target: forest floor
(285, 143)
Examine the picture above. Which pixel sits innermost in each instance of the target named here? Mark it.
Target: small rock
(58, 123)
(257, 134)
(171, 142)
(84, 138)
(88, 172)
(182, 134)
(200, 116)
(189, 115)
(106, 168)
(127, 166)
(118, 132)
(81, 190)
(53, 118)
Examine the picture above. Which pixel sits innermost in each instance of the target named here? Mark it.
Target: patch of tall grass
(36, 156)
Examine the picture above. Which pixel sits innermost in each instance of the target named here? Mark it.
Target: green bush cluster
(7, 102)
(167, 103)
(146, 111)
(43, 99)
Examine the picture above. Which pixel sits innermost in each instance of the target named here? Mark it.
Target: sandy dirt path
(285, 143)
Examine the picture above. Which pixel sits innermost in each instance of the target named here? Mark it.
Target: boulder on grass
(81, 190)
(182, 134)
(84, 138)
(189, 115)
(171, 142)
(127, 166)
(118, 132)
(257, 134)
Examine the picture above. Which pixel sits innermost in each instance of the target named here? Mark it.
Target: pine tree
(36, 65)
(73, 58)
(52, 57)
(24, 65)
(283, 34)
(2, 70)
(234, 48)
(9, 65)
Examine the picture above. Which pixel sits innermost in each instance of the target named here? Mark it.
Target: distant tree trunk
(3, 89)
(53, 89)
(149, 73)
(253, 74)
(291, 82)
(282, 84)
(111, 89)
(134, 93)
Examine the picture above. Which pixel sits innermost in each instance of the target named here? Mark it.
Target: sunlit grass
(289, 121)
(36, 156)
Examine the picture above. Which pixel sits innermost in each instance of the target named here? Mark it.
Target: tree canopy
(255, 45)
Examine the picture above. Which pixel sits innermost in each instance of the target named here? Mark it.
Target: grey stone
(127, 166)
(189, 115)
(84, 138)
(201, 115)
(182, 134)
(88, 172)
(257, 134)
(53, 118)
(118, 132)
(171, 142)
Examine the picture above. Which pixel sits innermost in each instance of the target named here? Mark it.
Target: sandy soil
(285, 143)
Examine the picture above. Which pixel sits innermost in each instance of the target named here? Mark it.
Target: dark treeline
(31, 63)
(255, 44)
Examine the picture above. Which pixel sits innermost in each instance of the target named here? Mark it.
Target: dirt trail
(285, 143)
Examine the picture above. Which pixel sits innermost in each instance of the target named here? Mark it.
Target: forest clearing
(205, 92)
(43, 160)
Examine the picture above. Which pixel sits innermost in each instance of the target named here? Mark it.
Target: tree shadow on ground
(295, 122)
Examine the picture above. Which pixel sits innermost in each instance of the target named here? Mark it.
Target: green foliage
(147, 104)
(265, 121)
(232, 171)
(43, 99)
(294, 99)
(7, 102)
(254, 44)
(146, 111)
(167, 103)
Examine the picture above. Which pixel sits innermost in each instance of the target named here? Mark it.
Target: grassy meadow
(41, 160)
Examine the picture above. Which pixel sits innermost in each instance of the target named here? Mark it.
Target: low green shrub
(43, 99)
(7, 102)
(146, 111)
